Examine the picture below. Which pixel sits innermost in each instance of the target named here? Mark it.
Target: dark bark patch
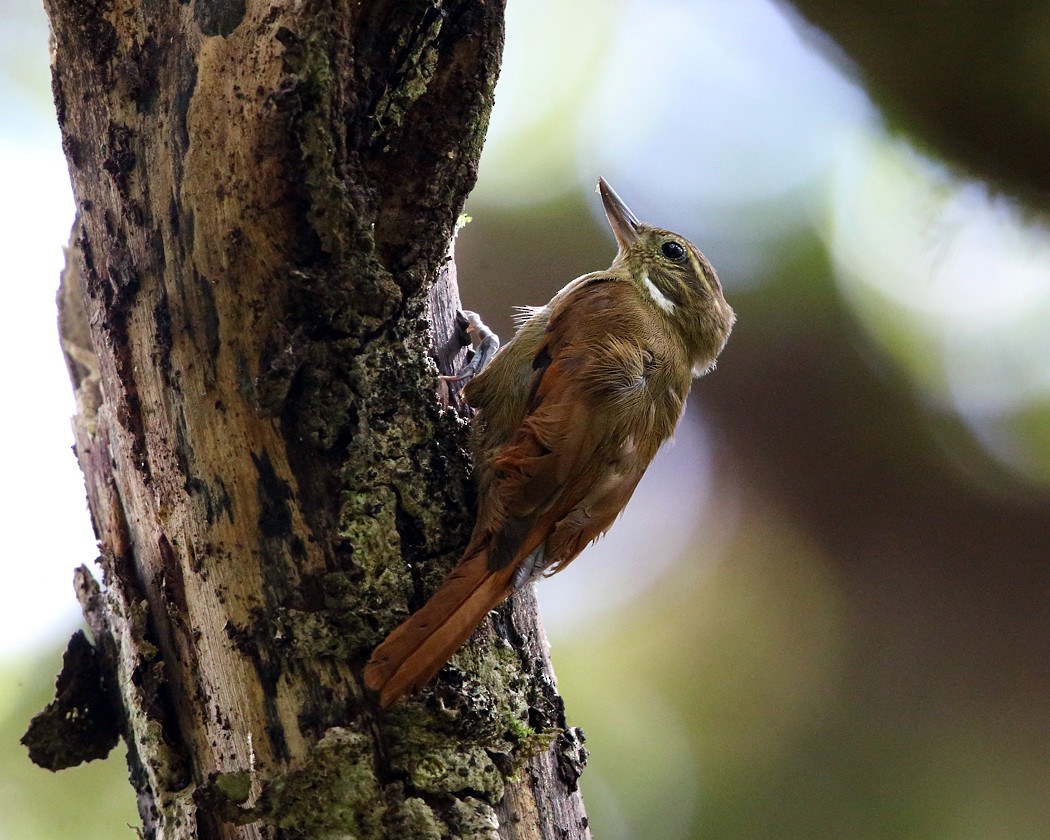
(127, 402)
(85, 23)
(209, 318)
(80, 724)
(279, 362)
(58, 94)
(176, 607)
(218, 17)
(120, 157)
(571, 756)
(162, 334)
(73, 149)
(124, 277)
(173, 217)
(139, 72)
(216, 498)
(312, 592)
(410, 529)
(184, 453)
(275, 515)
(269, 673)
(174, 583)
(87, 254)
(180, 105)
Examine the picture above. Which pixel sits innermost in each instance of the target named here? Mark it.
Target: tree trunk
(266, 196)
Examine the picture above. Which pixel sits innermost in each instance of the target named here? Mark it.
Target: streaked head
(672, 273)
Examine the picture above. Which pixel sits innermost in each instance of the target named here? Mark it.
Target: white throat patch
(659, 298)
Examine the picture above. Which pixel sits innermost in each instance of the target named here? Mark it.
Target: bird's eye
(673, 251)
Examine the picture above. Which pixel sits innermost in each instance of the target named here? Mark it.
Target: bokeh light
(954, 284)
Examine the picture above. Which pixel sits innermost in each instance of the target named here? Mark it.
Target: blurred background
(826, 613)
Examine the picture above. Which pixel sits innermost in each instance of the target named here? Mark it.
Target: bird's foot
(531, 567)
(471, 329)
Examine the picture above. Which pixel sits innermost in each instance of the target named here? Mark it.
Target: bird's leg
(473, 329)
(531, 567)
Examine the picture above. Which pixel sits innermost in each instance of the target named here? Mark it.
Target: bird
(568, 416)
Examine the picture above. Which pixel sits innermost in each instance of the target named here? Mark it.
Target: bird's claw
(487, 345)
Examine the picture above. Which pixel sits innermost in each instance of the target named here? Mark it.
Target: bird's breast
(639, 387)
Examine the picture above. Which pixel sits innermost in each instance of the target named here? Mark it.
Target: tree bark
(266, 194)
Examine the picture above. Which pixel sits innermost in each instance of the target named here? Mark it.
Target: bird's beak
(623, 222)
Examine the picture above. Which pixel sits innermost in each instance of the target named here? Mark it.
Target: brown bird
(569, 415)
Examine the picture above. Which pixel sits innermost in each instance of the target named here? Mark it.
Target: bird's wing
(568, 456)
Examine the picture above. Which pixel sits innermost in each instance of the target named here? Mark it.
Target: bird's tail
(415, 651)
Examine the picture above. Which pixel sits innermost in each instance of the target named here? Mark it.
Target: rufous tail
(415, 651)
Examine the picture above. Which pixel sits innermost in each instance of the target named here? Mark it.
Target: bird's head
(671, 272)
